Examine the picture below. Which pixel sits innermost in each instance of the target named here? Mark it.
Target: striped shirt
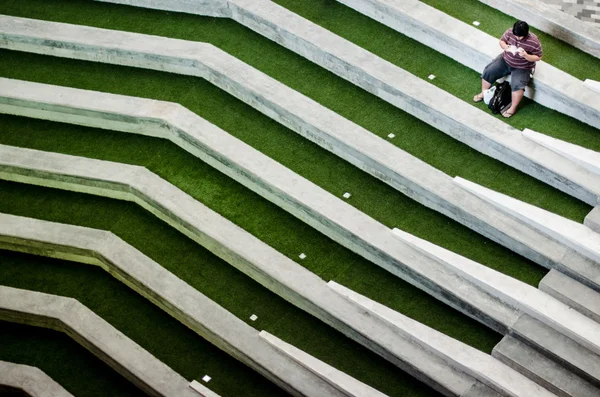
(531, 44)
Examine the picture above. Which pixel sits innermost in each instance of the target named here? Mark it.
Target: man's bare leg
(484, 86)
(516, 97)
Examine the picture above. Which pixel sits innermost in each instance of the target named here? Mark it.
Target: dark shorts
(499, 68)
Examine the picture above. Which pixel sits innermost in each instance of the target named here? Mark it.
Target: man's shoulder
(533, 36)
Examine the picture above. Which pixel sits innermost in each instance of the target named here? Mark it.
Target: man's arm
(503, 45)
(529, 57)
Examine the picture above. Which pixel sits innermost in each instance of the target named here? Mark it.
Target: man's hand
(522, 53)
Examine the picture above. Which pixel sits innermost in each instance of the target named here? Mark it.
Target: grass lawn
(208, 274)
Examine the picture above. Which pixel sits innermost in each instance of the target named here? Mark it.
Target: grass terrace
(164, 337)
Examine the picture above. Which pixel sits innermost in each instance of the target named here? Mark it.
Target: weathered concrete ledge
(427, 102)
(474, 48)
(336, 378)
(552, 21)
(592, 220)
(578, 237)
(528, 300)
(370, 153)
(242, 250)
(30, 380)
(585, 157)
(202, 390)
(210, 8)
(92, 332)
(573, 294)
(542, 369)
(592, 84)
(467, 358)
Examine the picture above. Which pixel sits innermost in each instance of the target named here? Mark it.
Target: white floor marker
(347, 195)
(206, 378)
(391, 136)
(253, 317)
(431, 77)
(476, 23)
(302, 255)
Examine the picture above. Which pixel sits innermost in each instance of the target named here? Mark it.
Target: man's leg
(519, 80)
(492, 72)
(516, 97)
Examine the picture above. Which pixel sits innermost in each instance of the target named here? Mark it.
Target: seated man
(521, 51)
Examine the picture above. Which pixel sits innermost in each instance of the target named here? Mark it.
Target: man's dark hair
(520, 28)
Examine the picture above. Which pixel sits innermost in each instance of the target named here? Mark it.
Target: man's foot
(478, 97)
(508, 113)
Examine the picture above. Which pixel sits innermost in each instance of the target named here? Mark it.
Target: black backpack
(501, 99)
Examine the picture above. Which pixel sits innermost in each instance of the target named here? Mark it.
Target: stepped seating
(470, 46)
(392, 165)
(499, 297)
(572, 294)
(92, 332)
(168, 292)
(181, 301)
(556, 23)
(460, 120)
(592, 220)
(29, 380)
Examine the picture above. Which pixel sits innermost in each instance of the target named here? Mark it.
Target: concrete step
(573, 294)
(425, 101)
(592, 220)
(542, 370)
(563, 350)
(99, 337)
(474, 48)
(488, 371)
(30, 380)
(248, 254)
(328, 214)
(580, 239)
(552, 21)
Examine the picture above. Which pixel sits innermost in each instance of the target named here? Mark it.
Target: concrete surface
(245, 252)
(587, 158)
(573, 294)
(592, 220)
(563, 350)
(474, 48)
(336, 378)
(92, 332)
(459, 119)
(165, 290)
(491, 372)
(31, 380)
(578, 237)
(542, 370)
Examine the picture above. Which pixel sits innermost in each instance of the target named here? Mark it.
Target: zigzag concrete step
(174, 296)
(525, 298)
(472, 361)
(592, 220)
(573, 294)
(211, 8)
(587, 158)
(542, 370)
(427, 102)
(578, 237)
(92, 332)
(556, 23)
(592, 84)
(30, 380)
(328, 214)
(337, 378)
(563, 350)
(470, 46)
(248, 254)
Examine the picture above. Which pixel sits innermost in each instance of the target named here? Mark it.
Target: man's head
(520, 29)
